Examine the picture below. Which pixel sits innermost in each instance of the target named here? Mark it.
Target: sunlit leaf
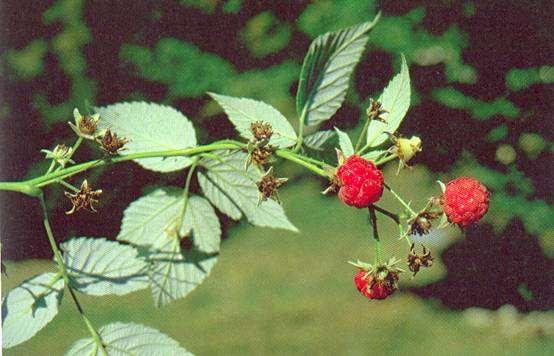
(345, 143)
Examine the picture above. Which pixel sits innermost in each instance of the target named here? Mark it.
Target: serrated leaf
(395, 99)
(326, 71)
(150, 220)
(150, 127)
(200, 217)
(317, 140)
(242, 112)
(174, 274)
(238, 185)
(124, 339)
(100, 267)
(29, 307)
(218, 198)
(345, 143)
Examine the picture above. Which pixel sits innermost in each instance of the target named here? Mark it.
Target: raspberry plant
(235, 177)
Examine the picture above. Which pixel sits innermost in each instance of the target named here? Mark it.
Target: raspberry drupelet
(361, 182)
(465, 201)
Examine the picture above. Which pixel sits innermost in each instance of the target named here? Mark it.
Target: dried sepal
(262, 131)
(422, 222)
(84, 198)
(269, 185)
(416, 261)
(375, 111)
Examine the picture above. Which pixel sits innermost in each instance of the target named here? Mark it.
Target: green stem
(291, 156)
(52, 165)
(73, 149)
(186, 195)
(362, 136)
(68, 186)
(386, 159)
(396, 218)
(63, 271)
(406, 206)
(373, 219)
(301, 129)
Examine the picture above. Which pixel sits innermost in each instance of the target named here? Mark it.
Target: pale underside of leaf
(99, 267)
(174, 273)
(243, 112)
(150, 127)
(345, 143)
(125, 339)
(201, 218)
(151, 220)
(395, 99)
(326, 72)
(30, 307)
(238, 186)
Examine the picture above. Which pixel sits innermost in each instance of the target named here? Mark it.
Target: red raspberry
(361, 182)
(374, 288)
(465, 201)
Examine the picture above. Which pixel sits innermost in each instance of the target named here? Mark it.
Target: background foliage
(482, 95)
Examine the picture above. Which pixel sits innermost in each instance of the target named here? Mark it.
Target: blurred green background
(482, 76)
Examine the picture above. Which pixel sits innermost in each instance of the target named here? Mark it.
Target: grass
(274, 292)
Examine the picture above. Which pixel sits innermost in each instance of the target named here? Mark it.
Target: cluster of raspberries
(464, 201)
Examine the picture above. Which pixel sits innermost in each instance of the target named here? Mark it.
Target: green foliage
(187, 71)
(395, 100)
(150, 127)
(226, 181)
(264, 34)
(326, 72)
(318, 140)
(28, 62)
(29, 307)
(480, 110)
(128, 339)
(243, 112)
(101, 267)
(520, 79)
(345, 143)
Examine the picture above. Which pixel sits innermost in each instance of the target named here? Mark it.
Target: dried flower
(61, 154)
(415, 261)
(84, 198)
(85, 126)
(422, 222)
(375, 110)
(261, 131)
(269, 185)
(111, 144)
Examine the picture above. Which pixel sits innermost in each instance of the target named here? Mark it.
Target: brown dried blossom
(84, 198)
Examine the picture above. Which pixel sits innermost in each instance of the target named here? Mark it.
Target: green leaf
(326, 72)
(396, 101)
(29, 307)
(345, 143)
(150, 127)
(374, 155)
(174, 274)
(218, 197)
(121, 339)
(99, 267)
(200, 217)
(242, 112)
(231, 183)
(317, 140)
(150, 220)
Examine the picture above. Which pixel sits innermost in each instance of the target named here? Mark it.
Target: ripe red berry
(465, 201)
(361, 182)
(373, 288)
